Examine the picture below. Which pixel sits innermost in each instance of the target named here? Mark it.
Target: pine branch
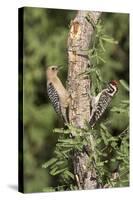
(86, 158)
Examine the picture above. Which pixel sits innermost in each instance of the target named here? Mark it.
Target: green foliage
(111, 151)
(45, 37)
(61, 163)
(96, 55)
(113, 158)
(98, 49)
(124, 84)
(108, 154)
(45, 43)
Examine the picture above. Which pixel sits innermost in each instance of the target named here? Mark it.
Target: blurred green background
(45, 43)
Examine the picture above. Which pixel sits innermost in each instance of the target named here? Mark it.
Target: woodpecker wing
(54, 98)
(103, 100)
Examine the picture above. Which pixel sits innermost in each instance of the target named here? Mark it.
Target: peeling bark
(79, 40)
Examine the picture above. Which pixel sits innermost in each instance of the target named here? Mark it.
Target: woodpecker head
(112, 87)
(52, 72)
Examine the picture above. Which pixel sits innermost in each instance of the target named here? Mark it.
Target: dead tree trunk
(79, 39)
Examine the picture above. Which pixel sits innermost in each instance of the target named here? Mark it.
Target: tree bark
(79, 40)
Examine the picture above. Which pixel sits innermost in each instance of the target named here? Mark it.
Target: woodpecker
(101, 101)
(58, 95)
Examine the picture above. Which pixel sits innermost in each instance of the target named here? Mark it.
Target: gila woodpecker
(101, 102)
(58, 95)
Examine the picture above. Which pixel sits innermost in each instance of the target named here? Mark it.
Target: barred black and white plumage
(54, 98)
(102, 101)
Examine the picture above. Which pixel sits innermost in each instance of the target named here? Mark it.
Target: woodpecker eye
(53, 68)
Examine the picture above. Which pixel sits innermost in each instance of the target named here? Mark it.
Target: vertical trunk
(79, 39)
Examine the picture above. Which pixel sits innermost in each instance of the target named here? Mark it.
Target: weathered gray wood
(79, 40)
